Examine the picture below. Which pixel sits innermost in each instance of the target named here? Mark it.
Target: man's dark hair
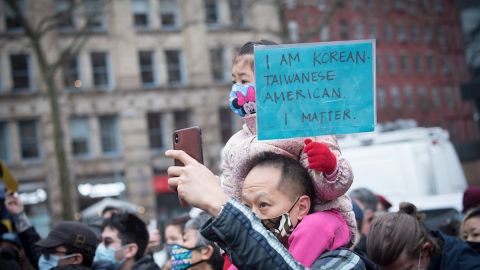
(87, 253)
(178, 221)
(294, 178)
(131, 229)
(111, 208)
(196, 223)
(366, 197)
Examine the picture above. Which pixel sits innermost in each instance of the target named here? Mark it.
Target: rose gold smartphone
(190, 141)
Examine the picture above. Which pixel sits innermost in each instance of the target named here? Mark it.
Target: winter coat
(454, 254)
(250, 246)
(330, 191)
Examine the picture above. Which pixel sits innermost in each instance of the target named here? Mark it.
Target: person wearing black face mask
(195, 252)
(470, 229)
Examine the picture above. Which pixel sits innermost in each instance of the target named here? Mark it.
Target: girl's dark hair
(473, 212)
(392, 233)
(247, 49)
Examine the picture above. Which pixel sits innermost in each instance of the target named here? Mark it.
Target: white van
(418, 165)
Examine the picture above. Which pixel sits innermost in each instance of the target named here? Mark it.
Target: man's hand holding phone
(195, 183)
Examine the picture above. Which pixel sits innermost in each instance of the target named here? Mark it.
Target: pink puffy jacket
(330, 191)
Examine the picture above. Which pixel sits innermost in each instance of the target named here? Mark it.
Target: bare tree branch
(327, 15)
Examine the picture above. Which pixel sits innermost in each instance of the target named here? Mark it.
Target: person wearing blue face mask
(124, 241)
(68, 243)
(195, 252)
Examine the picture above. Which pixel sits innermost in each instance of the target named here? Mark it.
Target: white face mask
(419, 261)
(44, 264)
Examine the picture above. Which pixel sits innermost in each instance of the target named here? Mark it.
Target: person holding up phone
(236, 228)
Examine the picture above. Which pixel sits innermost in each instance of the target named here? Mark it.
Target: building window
(378, 64)
(217, 64)
(141, 16)
(391, 63)
(437, 6)
(20, 70)
(238, 12)
(4, 151)
(386, 5)
(405, 63)
(325, 33)
(398, 4)
(446, 67)
(357, 4)
(418, 64)
(344, 33)
(321, 4)
(226, 124)
(388, 32)
(401, 33)
(65, 15)
(211, 12)
(182, 119)
(422, 98)
(155, 130)
(359, 30)
(29, 139)
(147, 68)
(395, 97)
(431, 64)
(436, 98)
(96, 15)
(169, 17)
(70, 70)
(382, 99)
(372, 30)
(441, 36)
(174, 66)
(100, 69)
(408, 91)
(109, 134)
(449, 98)
(428, 36)
(415, 34)
(411, 6)
(80, 136)
(12, 21)
(293, 30)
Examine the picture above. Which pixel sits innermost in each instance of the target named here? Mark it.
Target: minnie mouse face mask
(242, 99)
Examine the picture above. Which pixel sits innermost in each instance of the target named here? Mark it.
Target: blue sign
(312, 89)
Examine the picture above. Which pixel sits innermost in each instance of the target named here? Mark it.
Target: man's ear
(131, 250)
(77, 259)
(303, 205)
(426, 248)
(206, 252)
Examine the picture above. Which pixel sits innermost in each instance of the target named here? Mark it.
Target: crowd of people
(278, 204)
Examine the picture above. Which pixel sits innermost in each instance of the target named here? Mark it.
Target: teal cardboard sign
(313, 89)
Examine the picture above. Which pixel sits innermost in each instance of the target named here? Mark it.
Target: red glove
(320, 158)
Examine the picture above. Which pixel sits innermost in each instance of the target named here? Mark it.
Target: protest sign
(315, 89)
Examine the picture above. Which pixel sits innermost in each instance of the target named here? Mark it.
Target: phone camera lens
(176, 138)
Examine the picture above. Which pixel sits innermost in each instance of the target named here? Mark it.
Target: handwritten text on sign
(315, 89)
